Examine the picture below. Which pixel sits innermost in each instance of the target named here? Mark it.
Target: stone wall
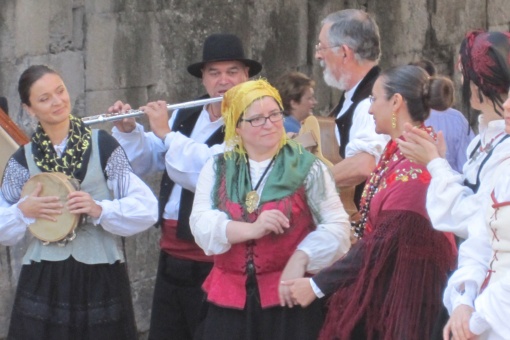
(138, 50)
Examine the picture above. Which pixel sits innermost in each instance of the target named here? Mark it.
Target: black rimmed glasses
(261, 120)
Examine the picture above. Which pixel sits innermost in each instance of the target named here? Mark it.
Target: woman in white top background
(458, 203)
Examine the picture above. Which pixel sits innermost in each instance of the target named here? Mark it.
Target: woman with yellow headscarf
(268, 211)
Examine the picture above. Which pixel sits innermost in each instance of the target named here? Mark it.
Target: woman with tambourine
(76, 287)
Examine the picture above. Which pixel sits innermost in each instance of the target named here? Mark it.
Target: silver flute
(107, 117)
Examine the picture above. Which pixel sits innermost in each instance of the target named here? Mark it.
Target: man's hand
(353, 170)
(125, 125)
(158, 117)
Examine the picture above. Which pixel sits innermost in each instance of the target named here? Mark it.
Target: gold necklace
(252, 197)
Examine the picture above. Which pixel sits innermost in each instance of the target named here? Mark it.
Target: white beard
(330, 79)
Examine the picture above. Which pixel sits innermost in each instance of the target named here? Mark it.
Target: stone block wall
(138, 50)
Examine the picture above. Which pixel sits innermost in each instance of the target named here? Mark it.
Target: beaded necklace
(371, 189)
(372, 186)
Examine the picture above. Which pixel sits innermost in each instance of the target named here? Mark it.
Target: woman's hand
(269, 221)
(419, 146)
(301, 291)
(80, 202)
(125, 125)
(41, 207)
(458, 325)
(295, 268)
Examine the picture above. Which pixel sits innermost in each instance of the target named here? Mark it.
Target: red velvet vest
(225, 285)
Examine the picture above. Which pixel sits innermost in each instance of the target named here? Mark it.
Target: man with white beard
(348, 51)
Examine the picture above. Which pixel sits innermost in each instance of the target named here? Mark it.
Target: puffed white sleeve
(145, 150)
(185, 158)
(134, 207)
(13, 225)
(450, 204)
(330, 240)
(362, 137)
(473, 263)
(208, 225)
(492, 309)
(475, 253)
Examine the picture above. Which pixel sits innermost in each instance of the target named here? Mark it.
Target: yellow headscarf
(236, 101)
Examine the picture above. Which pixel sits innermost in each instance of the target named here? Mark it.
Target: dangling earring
(394, 120)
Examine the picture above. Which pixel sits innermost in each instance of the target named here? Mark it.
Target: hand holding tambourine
(47, 195)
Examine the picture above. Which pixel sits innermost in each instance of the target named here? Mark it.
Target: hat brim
(255, 67)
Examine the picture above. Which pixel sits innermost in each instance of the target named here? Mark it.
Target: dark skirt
(72, 300)
(253, 322)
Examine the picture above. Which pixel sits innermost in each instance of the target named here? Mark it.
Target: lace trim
(118, 168)
(15, 176)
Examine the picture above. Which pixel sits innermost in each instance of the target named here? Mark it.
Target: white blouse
(323, 246)
(492, 305)
(454, 207)
(362, 135)
(136, 211)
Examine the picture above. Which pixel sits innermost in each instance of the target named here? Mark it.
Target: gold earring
(394, 120)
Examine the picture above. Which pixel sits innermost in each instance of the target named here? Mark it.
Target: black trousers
(178, 304)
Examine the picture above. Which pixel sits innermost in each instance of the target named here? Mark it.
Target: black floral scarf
(76, 154)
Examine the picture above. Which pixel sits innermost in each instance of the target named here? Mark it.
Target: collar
(348, 94)
(490, 130)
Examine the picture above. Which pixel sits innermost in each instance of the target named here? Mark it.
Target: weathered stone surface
(138, 51)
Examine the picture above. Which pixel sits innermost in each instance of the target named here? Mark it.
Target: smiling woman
(78, 287)
(296, 90)
(268, 211)
(390, 283)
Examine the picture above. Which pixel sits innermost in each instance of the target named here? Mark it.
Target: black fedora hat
(223, 47)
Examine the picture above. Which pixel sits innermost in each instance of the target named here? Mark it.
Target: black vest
(476, 186)
(344, 123)
(184, 123)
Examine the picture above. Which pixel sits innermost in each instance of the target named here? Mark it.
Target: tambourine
(53, 184)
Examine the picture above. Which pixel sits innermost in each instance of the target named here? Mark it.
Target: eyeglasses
(261, 120)
(371, 99)
(319, 48)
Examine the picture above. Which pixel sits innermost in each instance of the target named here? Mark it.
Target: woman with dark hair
(298, 99)
(76, 288)
(390, 283)
(460, 203)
